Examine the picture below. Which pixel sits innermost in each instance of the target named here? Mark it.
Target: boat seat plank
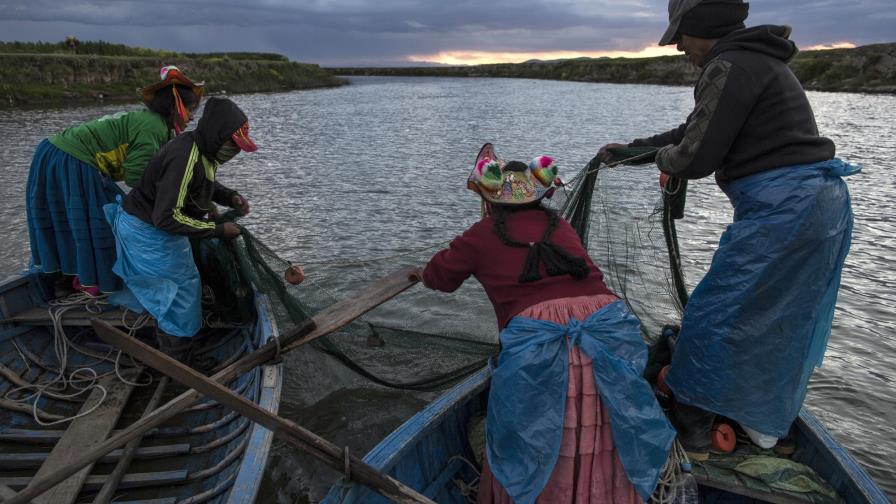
(40, 317)
(171, 500)
(14, 461)
(770, 497)
(82, 434)
(95, 482)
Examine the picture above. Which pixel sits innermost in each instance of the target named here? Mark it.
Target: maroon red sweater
(479, 252)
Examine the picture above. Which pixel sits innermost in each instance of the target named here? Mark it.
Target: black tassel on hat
(557, 261)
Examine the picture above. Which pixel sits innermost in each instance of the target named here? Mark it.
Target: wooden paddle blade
(339, 314)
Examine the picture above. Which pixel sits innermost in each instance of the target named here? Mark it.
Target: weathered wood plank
(6, 493)
(33, 460)
(107, 493)
(133, 480)
(40, 316)
(82, 434)
(772, 498)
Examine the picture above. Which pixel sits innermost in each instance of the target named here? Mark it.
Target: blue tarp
(159, 273)
(758, 324)
(528, 396)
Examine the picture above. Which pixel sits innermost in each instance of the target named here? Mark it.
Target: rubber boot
(694, 426)
(175, 347)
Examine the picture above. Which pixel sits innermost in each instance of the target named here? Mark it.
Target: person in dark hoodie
(169, 205)
(758, 323)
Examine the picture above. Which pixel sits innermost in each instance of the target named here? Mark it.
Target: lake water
(378, 168)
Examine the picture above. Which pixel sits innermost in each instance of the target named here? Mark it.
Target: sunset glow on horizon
(491, 57)
(835, 45)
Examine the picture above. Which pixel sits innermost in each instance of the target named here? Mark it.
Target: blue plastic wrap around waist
(787, 180)
(528, 395)
(159, 273)
(758, 323)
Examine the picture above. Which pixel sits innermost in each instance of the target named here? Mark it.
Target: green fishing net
(622, 216)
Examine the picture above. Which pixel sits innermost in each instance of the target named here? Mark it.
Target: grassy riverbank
(869, 68)
(55, 74)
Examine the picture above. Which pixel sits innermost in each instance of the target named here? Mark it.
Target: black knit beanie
(714, 19)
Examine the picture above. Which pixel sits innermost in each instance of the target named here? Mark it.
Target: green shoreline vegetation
(46, 73)
(866, 69)
(71, 71)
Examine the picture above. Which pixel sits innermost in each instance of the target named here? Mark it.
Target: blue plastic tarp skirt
(159, 273)
(527, 400)
(67, 229)
(758, 323)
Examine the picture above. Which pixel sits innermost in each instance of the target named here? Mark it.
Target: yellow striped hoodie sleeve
(173, 190)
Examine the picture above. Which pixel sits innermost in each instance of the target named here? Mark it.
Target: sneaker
(763, 441)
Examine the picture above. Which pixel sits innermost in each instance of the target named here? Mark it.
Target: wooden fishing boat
(431, 454)
(207, 453)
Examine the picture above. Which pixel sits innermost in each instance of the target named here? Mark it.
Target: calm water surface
(378, 168)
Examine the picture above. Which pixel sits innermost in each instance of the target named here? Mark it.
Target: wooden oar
(325, 322)
(295, 434)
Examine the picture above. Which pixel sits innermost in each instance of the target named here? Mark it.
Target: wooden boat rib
(431, 454)
(207, 453)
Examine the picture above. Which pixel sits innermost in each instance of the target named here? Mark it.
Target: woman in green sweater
(74, 173)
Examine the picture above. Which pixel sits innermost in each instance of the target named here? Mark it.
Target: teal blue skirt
(67, 229)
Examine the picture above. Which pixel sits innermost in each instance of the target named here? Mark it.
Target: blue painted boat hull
(205, 454)
(430, 451)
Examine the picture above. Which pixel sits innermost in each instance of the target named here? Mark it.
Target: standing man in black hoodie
(169, 205)
(757, 325)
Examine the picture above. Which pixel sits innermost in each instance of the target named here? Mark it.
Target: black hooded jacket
(751, 113)
(178, 186)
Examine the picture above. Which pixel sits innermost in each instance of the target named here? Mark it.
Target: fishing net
(422, 343)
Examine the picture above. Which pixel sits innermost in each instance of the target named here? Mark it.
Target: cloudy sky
(402, 32)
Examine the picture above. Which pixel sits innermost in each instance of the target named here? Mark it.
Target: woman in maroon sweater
(533, 267)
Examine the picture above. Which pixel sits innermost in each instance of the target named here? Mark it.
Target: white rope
(470, 490)
(671, 476)
(55, 388)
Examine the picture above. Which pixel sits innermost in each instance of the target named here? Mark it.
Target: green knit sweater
(118, 145)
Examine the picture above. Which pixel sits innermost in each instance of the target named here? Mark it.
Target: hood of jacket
(771, 40)
(219, 121)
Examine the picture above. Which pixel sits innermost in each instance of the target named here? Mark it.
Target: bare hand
(240, 204)
(416, 275)
(231, 231)
(604, 151)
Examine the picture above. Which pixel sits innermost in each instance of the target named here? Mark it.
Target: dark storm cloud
(386, 31)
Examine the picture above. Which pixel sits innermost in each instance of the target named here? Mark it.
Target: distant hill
(62, 72)
(870, 68)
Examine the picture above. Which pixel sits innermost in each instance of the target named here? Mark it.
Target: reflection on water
(378, 168)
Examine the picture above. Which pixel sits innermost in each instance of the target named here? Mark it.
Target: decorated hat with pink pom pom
(512, 182)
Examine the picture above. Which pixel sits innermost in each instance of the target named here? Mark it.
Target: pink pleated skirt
(588, 470)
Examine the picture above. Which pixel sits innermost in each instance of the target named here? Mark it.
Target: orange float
(294, 274)
(661, 381)
(723, 438)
